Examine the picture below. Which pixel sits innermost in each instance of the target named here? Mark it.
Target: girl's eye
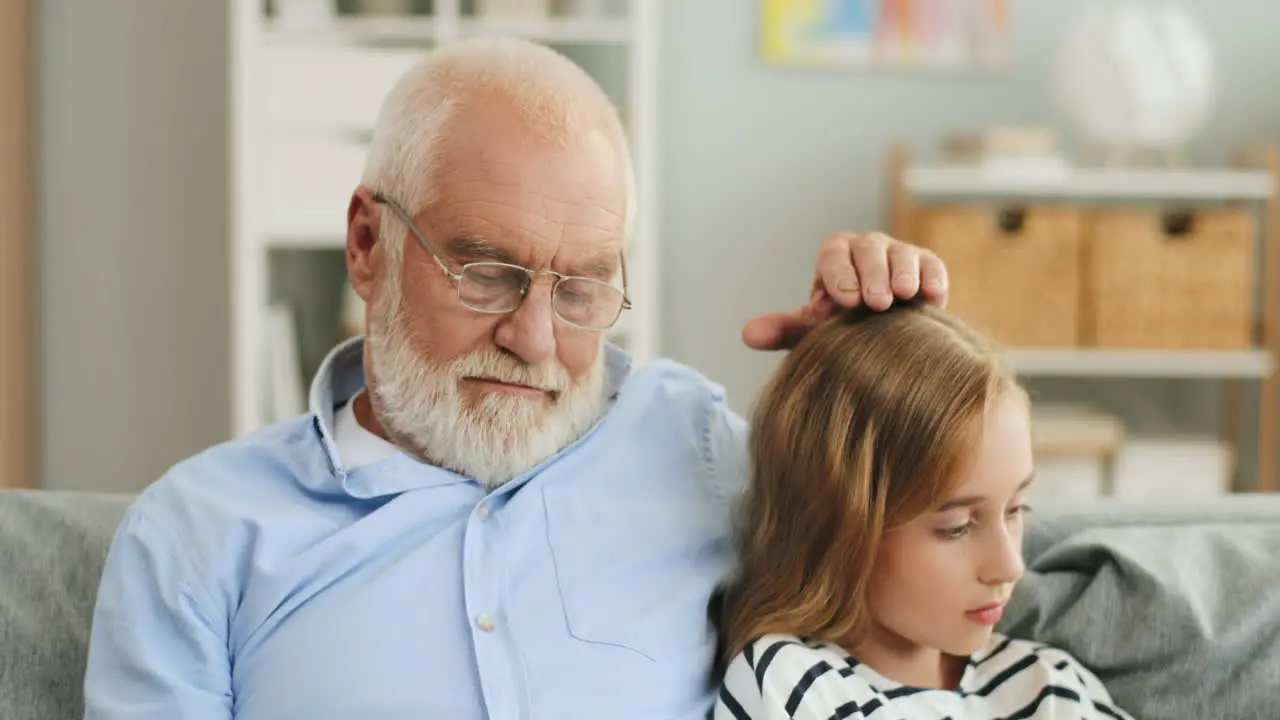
(955, 533)
(1021, 509)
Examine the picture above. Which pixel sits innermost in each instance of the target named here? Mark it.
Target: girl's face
(940, 583)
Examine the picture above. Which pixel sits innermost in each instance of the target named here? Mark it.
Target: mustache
(488, 365)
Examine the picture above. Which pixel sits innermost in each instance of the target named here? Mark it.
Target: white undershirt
(356, 445)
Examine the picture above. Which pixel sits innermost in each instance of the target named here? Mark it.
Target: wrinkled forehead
(495, 152)
(594, 260)
(531, 191)
(525, 199)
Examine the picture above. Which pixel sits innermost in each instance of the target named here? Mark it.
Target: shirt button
(485, 622)
(483, 511)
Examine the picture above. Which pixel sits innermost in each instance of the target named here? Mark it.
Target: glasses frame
(382, 199)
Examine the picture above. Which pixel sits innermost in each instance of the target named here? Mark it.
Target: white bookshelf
(304, 101)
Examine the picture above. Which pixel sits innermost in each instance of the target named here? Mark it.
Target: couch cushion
(52, 548)
(1177, 609)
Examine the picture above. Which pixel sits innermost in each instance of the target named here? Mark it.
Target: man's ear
(364, 251)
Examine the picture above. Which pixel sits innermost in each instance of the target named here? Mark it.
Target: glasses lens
(588, 303)
(492, 287)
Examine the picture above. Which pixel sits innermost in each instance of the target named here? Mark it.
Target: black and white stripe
(782, 677)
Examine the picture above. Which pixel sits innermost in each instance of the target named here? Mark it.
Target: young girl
(882, 536)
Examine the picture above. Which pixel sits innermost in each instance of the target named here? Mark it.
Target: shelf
(1095, 183)
(425, 30)
(1141, 363)
(554, 30)
(355, 31)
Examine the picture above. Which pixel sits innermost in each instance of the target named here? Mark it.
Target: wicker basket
(1016, 272)
(1169, 281)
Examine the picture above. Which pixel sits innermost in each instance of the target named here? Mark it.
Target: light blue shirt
(263, 580)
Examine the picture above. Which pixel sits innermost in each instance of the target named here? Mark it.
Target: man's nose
(529, 330)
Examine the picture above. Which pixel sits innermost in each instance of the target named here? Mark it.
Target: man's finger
(871, 257)
(819, 310)
(776, 331)
(836, 272)
(904, 270)
(933, 278)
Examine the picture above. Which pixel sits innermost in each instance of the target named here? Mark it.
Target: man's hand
(853, 270)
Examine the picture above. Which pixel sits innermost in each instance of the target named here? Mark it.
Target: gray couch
(1176, 608)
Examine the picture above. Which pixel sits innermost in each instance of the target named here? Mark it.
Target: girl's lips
(987, 614)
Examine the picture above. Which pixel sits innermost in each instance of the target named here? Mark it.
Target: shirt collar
(341, 376)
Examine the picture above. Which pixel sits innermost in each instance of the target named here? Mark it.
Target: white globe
(1135, 74)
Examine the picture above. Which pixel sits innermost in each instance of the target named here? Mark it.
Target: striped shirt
(781, 676)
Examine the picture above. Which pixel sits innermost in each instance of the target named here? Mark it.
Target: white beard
(420, 403)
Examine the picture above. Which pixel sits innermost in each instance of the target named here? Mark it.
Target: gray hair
(551, 93)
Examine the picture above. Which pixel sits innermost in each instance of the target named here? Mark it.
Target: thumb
(776, 331)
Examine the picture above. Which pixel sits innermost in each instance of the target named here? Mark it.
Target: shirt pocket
(635, 570)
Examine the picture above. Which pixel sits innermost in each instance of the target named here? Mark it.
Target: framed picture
(939, 35)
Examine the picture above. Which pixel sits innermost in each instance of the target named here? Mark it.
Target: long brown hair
(861, 429)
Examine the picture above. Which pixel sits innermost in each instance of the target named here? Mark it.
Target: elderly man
(486, 514)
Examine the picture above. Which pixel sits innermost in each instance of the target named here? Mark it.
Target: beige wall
(18, 423)
(133, 237)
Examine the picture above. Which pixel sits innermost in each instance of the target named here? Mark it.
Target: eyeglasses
(497, 287)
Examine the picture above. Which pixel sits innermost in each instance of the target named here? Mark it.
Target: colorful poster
(912, 34)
